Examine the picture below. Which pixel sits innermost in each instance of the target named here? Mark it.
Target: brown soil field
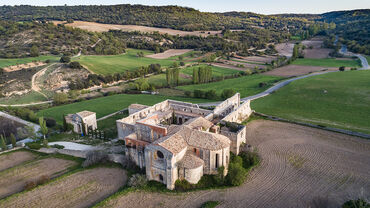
(13, 180)
(228, 66)
(296, 70)
(317, 53)
(15, 158)
(23, 66)
(299, 166)
(81, 189)
(98, 27)
(246, 65)
(169, 53)
(285, 49)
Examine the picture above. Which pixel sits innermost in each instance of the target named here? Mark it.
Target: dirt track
(14, 159)
(299, 164)
(82, 189)
(13, 180)
(296, 70)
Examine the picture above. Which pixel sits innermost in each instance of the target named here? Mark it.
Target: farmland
(327, 62)
(297, 70)
(11, 62)
(299, 164)
(80, 189)
(120, 63)
(15, 158)
(107, 105)
(216, 71)
(246, 85)
(340, 100)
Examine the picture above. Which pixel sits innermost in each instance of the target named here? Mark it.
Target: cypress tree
(2, 143)
(13, 140)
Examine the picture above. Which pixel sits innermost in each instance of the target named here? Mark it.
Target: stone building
(178, 140)
(88, 118)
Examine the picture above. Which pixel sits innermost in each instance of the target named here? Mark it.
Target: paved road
(364, 63)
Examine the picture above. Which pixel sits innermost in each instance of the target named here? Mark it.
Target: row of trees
(202, 74)
(211, 94)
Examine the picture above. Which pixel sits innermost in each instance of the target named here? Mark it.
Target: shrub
(57, 146)
(75, 65)
(13, 140)
(249, 159)
(187, 93)
(211, 95)
(95, 157)
(65, 59)
(227, 93)
(50, 122)
(30, 185)
(262, 84)
(236, 175)
(342, 68)
(182, 185)
(182, 63)
(210, 204)
(353, 69)
(137, 181)
(359, 203)
(43, 179)
(198, 93)
(34, 145)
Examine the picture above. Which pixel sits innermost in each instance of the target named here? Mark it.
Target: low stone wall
(74, 153)
(240, 114)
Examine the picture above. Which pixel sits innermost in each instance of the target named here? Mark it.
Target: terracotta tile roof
(190, 161)
(173, 143)
(199, 122)
(84, 114)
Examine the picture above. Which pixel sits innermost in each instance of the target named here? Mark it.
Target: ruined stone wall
(210, 161)
(90, 122)
(240, 114)
(227, 105)
(124, 129)
(198, 111)
(236, 138)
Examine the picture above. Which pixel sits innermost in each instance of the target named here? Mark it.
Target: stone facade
(84, 117)
(176, 140)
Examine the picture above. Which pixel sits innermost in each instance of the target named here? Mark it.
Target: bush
(250, 159)
(227, 93)
(210, 204)
(198, 94)
(43, 179)
(30, 185)
(75, 65)
(342, 68)
(65, 59)
(359, 203)
(95, 157)
(34, 145)
(236, 175)
(187, 93)
(182, 63)
(211, 95)
(50, 122)
(353, 69)
(57, 146)
(262, 84)
(137, 181)
(183, 185)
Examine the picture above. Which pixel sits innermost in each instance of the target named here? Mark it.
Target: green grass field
(120, 63)
(327, 62)
(11, 62)
(216, 71)
(107, 105)
(346, 104)
(159, 80)
(246, 85)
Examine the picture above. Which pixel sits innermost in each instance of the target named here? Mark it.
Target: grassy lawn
(120, 63)
(346, 104)
(11, 62)
(368, 59)
(327, 62)
(107, 105)
(216, 71)
(32, 97)
(246, 85)
(159, 80)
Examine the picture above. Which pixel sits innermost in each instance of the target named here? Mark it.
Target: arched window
(160, 155)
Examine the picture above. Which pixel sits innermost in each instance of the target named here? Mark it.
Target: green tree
(60, 98)
(195, 76)
(295, 51)
(2, 143)
(13, 140)
(65, 125)
(226, 93)
(236, 174)
(65, 59)
(43, 128)
(34, 51)
(45, 143)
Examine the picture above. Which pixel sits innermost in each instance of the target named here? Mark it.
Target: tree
(195, 76)
(60, 98)
(342, 68)
(65, 126)
(236, 174)
(65, 59)
(13, 140)
(227, 93)
(2, 143)
(75, 65)
(34, 51)
(295, 51)
(211, 95)
(359, 203)
(43, 127)
(142, 84)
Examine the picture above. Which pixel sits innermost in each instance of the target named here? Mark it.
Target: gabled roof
(199, 122)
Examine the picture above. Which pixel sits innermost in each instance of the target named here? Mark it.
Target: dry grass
(81, 189)
(296, 70)
(98, 27)
(298, 165)
(169, 53)
(15, 158)
(23, 66)
(285, 49)
(15, 179)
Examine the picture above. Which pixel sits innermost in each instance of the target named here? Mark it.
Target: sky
(258, 6)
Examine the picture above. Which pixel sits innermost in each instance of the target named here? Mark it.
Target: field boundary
(342, 131)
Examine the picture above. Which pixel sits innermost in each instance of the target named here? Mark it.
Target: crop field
(246, 85)
(31, 97)
(107, 105)
(216, 71)
(299, 165)
(120, 63)
(170, 53)
(340, 100)
(13, 180)
(11, 62)
(297, 70)
(12, 159)
(327, 62)
(81, 189)
(159, 80)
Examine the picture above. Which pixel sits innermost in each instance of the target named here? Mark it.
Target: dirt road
(299, 165)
